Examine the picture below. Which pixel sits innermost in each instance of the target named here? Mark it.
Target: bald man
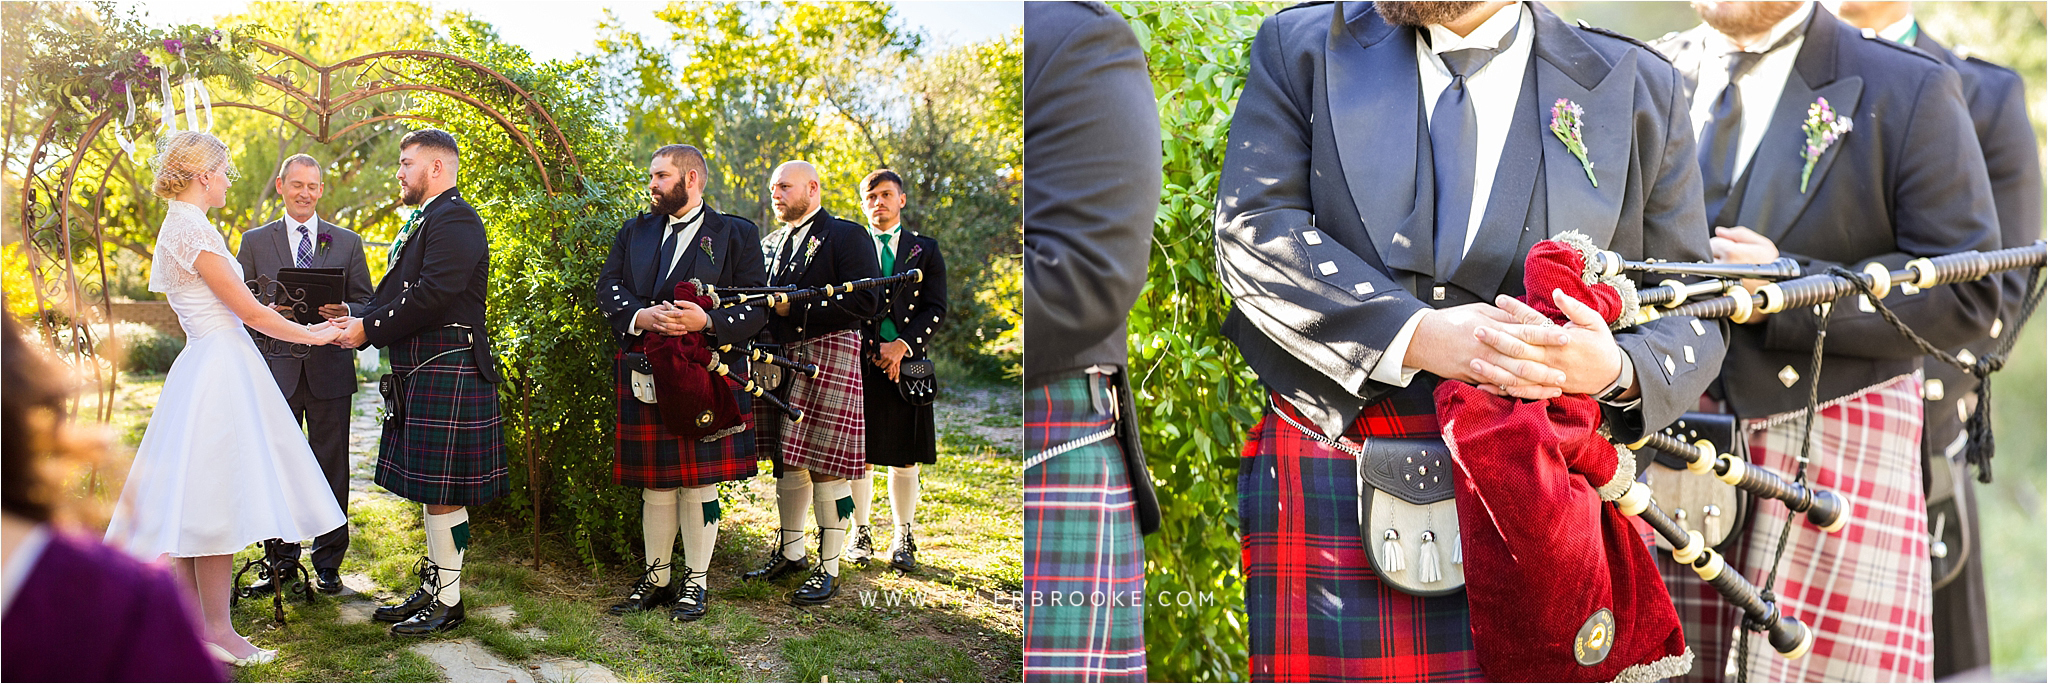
(816, 457)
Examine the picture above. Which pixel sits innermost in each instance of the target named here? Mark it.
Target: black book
(305, 290)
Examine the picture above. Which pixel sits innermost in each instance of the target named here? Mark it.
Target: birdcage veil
(187, 155)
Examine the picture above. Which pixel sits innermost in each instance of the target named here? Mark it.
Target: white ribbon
(196, 98)
(170, 119)
(121, 137)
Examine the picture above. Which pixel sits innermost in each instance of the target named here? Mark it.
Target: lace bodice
(185, 235)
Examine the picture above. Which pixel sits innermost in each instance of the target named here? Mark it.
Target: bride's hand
(323, 333)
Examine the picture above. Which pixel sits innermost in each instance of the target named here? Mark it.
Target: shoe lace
(777, 557)
(817, 579)
(863, 540)
(906, 541)
(693, 587)
(646, 584)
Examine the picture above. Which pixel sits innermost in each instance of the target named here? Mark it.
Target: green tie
(888, 328)
(398, 243)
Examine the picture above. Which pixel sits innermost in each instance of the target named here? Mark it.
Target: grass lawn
(955, 620)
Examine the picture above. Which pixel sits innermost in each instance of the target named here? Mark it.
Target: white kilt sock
(903, 495)
(792, 496)
(658, 530)
(447, 542)
(699, 516)
(833, 504)
(863, 498)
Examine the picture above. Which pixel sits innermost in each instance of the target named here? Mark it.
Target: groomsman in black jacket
(1998, 109)
(319, 385)
(900, 436)
(818, 454)
(1835, 148)
(680, 238)
(443, 444)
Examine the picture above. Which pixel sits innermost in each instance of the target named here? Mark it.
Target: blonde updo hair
(185, 156)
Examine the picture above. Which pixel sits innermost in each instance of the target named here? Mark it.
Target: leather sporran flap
(1408, 515)
(1699, 501)
(640, 376)
(917, 381)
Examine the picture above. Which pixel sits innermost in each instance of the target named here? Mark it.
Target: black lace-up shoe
(436, 617)
(863, 548)
(905, 556)
(817, 589)
(777, 567)
(690, 604)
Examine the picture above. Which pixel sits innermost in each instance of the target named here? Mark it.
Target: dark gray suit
(319, 386)
(1325, 223)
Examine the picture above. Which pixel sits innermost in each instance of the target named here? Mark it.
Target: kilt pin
(1084, 560)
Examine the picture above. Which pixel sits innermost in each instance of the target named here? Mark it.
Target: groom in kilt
(680, 238)
(1366, 237)
(818, 455)
(443, 442)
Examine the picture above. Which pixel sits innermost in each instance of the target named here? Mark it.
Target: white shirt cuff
(1389, 370)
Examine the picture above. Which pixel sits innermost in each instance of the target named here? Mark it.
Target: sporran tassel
(1426, 567)
(1390, 552)
(1458, 549)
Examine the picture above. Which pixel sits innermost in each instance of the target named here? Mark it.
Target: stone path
(460, 660)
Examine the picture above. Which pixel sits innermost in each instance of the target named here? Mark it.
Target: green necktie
(888, 328)
(398, 243)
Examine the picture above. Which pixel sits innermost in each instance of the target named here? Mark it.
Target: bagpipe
(688, 366)
(1722, 295)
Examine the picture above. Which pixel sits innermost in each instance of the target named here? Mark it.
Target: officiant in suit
(319, 385)
(1389, 167)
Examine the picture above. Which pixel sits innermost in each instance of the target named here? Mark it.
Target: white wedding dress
(222, 463)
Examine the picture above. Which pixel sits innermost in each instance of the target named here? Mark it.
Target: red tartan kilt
(647, 456)
(1315, 609)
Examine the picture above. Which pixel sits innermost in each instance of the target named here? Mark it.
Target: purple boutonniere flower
(1567, 122)
(811, 248)
(1823, 127)
(325, 241)
(173, 45)
(914, 250)
(704, 243)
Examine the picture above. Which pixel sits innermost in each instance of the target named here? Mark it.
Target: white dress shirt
(1496, 92)
(291, 231)
(688, 226)
(891, 237)
(1760, 87)
(1897, 30)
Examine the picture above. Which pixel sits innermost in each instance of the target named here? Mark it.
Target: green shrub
(138, 348)
(1195, 394)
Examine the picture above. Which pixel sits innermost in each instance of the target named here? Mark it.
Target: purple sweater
(89, 613)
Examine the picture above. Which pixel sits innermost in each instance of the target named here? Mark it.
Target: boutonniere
(1567, 121)
(325, 242)
(704, 243)
(1823, 128)
(811, 248)
(914, 249)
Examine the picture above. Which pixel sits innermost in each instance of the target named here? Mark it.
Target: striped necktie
(305, 248)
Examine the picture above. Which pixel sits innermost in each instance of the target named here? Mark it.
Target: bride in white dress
(222, 464)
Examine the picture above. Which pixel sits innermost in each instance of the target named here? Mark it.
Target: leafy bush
(1194, 392)
(138, 347)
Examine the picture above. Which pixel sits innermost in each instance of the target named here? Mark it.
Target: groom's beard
(667, 204)
(411, 196)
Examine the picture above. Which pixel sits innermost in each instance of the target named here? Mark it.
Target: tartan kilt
(1317, 611)
(449, 450)
(647, 456)
(1866, 590)
(832, 437)
(1084, 561)
(898, 434)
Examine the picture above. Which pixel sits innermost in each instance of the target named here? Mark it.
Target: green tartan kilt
(446, 444)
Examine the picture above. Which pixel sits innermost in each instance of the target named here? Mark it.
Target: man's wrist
(1623, 381)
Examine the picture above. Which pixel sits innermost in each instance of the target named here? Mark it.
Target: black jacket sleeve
(615, 299)
(734, 325)
(452, 250)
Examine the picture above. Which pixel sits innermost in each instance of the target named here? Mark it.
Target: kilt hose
(1865, 590)
(647, 456)
(832, 437)
(1317, 611)
(1084, 561)
(898, 434)
(448, 447)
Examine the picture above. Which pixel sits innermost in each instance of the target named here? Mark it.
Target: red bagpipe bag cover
(695, 402)
(1561, 586)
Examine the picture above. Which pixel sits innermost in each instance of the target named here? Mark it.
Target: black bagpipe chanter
(1707, 509)
(769, 374)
